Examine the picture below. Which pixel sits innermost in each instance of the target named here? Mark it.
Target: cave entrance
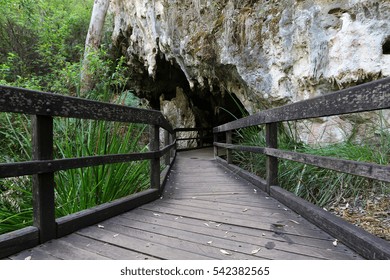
(208, 105)
(215, 108)
(386, 46)
(211, 108)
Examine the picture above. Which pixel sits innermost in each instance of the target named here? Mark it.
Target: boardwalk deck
(206, 212)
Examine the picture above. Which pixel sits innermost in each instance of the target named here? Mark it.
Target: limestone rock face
(267, 53)
(180, 114)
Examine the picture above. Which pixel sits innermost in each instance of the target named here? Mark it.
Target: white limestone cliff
(267, 53)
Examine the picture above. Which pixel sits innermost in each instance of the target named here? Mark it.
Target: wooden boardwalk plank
(234, 242)
(138, 241)
(104, 248)
(237, 233)
(204, 209)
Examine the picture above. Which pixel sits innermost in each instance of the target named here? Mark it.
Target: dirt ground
(373, 214)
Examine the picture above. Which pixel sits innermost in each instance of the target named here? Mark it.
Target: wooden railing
(362, 98)
(203, 137)
(43, 107)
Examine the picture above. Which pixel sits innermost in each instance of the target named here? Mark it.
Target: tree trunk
(92, 43)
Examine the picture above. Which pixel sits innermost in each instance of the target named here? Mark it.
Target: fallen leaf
(335, 242)
(225, 252)
(278, 225)
(100, 226)
(254, 252)
(28, 258)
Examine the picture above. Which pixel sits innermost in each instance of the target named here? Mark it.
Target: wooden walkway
(206, 212)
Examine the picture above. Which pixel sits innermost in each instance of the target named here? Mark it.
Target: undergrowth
(320, 186)
(76, 189)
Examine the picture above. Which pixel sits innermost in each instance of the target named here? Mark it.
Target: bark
(92, 42)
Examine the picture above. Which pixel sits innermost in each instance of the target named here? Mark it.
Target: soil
(372, 214)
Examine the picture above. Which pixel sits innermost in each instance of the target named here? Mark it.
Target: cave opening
(386, 46)
(210, 107)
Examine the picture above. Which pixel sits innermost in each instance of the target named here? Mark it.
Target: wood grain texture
(13, 242)
(73, 222)
(363, 169)
(204, 212)
(17, 100)
(367, 97)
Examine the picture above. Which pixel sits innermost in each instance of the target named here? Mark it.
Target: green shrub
(318, 185)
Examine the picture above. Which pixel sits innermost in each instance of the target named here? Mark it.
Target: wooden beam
(363, 169)
(215, 147)
(43, 184)
(17, 100)
(18, 240)
(154, 136)
(91, 216)
(229, 136)
(367, 97)
(271, 139)
(45, 166)
(167, 157)
(359, 240)
(368, 170)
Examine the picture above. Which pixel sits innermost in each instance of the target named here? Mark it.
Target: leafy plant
(320, 186)
(76, 189)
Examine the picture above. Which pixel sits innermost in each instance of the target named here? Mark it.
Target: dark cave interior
(210, 108)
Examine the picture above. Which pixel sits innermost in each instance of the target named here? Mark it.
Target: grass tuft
(76, 189)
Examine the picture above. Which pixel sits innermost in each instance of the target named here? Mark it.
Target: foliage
(42, 45)
(39, 40)
(76, 189)
(320, 186)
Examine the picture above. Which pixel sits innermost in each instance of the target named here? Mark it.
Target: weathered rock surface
(266, 53)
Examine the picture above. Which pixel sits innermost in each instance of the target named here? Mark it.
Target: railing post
(173, 139)
(201, 137)
(228, 151)
(43, 184)
(215, 147)
(167, 142)
(272, 162)
(154, 135)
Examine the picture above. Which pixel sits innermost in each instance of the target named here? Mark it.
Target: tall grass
(76, 189)
(320, 186)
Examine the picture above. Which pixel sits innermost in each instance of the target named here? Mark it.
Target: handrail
(18, 100)
(201, 136)
(44, 107)
(362, 98)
